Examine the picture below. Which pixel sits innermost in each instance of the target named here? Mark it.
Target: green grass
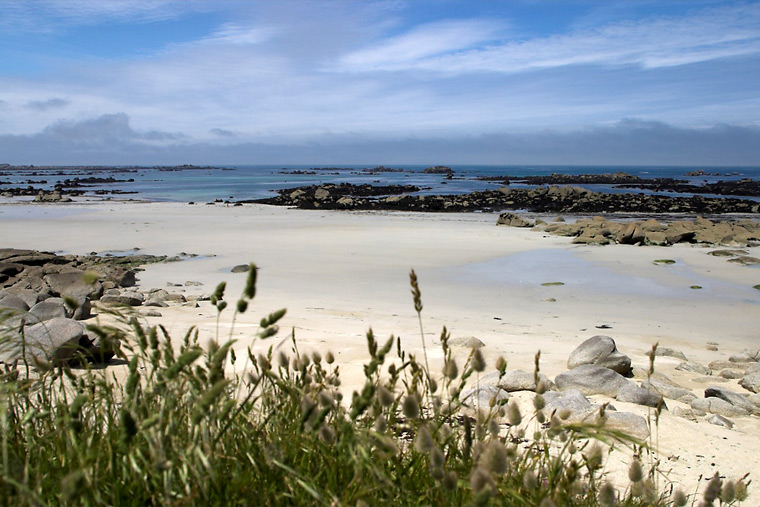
(179, 431)
(663, 261)
(552, 284)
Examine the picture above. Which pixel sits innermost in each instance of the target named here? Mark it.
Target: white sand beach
(341, 273)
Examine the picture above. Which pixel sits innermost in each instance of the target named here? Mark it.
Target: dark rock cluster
(566, 199)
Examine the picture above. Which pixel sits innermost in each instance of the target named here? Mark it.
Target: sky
(576, 82)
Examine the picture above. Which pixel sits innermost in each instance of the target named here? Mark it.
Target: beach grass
(194, 424)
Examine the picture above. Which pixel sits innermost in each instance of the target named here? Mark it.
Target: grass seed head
(607, 495)
(530, 482)
(329, 357)
(411, 406)
(712, 491)
(513, 414)
(494, 458)
(424, 441)
(635, 472)
(450, 369)
(450, 481)
(478, 361)
(679, 498)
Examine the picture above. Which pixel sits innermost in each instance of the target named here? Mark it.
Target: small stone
(719, 420)
(694, 367)
(469, 342)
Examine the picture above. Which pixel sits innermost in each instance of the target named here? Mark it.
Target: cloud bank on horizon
(380, 81)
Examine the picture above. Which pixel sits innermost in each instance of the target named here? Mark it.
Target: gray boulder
(483, 396)
(731, 374)
(600, 350)
(751, 382)
(668, 352)
(30, 297)
(747, 356)
(591, 379)
(73, 283)
(735, 399)
(685, 413)
(469, 342)
(128, 298)
(721, 365)
(516, 380)
(669, 391)
(572, 400)
(13, 302)
(719, 420)
(58, 340)
(694, 367)
(631, 393)
(718, 406)
(52, 308)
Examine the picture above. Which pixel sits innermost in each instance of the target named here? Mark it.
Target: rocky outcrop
(600, 350)
(553, 199)
(512, 220)
(601, 231)
(591, 379)
(43, 296)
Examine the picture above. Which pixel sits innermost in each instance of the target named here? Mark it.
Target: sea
(247, 182)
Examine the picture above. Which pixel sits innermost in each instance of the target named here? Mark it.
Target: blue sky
(384, 81)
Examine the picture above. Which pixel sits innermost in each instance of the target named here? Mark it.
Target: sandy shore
(339, 274)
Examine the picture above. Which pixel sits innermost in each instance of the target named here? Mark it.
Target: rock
(751, 382)
(591, 379)
(483, 396)
(668, 352)
(731, 374)
(745, 260)
(152, 313)
(685, 413)
(30, 297)
(572, 400)
(720, 365)
(321, 194)
(600, 350)
(102, 349)
(12, 302)
(469, 342)
(735, 399)
(516, 380)
(631, 393)
(747, 356)
(719, 420)
(52, 308)
(74, 284)
(694, 367)
(718, 406)
(57, 341)
(668, 391)
(630, 424)
(193, 283)
(240, 268)
(512, 220)
(127, 298)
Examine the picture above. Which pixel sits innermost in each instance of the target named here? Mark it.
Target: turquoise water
(253, 182)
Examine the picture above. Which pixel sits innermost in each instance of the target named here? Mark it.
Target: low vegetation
(207, 425)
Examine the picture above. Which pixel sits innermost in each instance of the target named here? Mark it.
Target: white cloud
(651, 43)
(50, 15)
(421, 43)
